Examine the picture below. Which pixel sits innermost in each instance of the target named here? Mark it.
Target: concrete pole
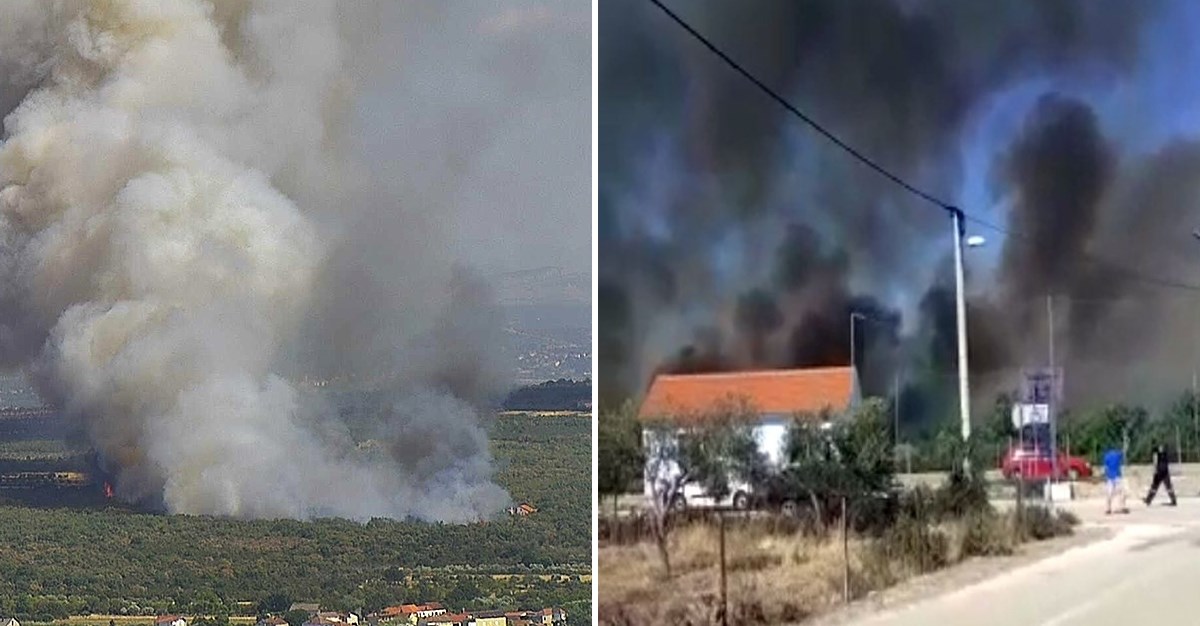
(853, 342)
(896, 409)
(1050, 399)
(964, 391)
(853, 361)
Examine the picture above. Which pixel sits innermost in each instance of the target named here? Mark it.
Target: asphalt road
(1148, 572)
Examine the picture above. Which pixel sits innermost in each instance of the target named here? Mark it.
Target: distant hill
(552, 395)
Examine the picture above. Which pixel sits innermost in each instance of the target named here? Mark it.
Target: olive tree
(708, 449)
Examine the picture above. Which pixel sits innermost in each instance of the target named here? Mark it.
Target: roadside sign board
(1041, 386)
(1024, 414)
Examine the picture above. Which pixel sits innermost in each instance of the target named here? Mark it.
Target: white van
(771, 435)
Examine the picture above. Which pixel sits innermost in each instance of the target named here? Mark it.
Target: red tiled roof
(409, 609)
(688, 397)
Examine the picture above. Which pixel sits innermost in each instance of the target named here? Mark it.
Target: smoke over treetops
(731, 236)
(191, 218)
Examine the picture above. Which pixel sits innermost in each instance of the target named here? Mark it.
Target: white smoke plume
(184, 231)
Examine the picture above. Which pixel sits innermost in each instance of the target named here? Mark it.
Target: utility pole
(896, 409)
(964, 391)
(853, 356)
(1050, 398)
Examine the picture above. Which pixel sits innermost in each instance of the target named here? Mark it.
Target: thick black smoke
(1089, 222)
(731, 236)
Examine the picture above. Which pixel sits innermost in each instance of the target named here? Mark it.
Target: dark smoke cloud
(1083, 211)
(733, 237)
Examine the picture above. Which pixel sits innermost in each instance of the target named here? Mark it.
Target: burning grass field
(61, 561)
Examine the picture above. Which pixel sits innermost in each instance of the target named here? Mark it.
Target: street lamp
(964, 389)
(854, 315)
(1195, 418)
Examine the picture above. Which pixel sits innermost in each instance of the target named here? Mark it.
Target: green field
(60, 561)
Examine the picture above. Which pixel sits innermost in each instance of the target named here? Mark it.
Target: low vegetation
(59, 562)
(663, 566)
(778, 573)
(552, 395)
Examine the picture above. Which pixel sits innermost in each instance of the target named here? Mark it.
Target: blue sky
(1141, 111)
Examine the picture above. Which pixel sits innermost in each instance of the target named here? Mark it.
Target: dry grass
(774, 578)
(770, 578)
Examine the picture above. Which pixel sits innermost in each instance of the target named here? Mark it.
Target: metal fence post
(845, 553)
(724, 596)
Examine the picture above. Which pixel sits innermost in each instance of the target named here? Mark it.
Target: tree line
(1085, 432)
(58, 562)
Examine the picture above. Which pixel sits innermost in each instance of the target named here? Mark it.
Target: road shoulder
(960, 576)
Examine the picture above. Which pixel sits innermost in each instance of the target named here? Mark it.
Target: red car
(1035, 464)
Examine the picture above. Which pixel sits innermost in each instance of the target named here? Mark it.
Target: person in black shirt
(1162, 475)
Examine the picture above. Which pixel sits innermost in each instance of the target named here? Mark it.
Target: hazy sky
(493, 100)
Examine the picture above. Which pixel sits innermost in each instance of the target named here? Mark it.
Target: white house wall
(772, 438)
(771, 435)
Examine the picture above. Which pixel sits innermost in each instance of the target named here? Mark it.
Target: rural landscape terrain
(295, 319)
(892, 296)
(857, 527)
(68, 550)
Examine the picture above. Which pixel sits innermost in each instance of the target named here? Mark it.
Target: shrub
(1038, 523)
(873, 514)
(961, 495)
(984, 534)
(912, 542)
(1068, 517)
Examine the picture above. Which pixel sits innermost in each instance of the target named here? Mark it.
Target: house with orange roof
(446, 619)
(550, 617)
(768, 401)
(541, 617)
(524, 509)
(411, 613)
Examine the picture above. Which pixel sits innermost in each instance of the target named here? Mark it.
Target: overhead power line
(1128, 273)
(800, 114)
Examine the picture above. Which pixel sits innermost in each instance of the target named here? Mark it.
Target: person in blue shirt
(1113, 459)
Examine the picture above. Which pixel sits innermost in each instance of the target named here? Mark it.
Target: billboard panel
(1024, 414)
(1042, 386)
